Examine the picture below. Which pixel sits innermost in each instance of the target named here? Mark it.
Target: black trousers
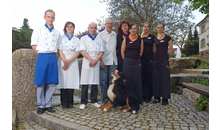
(93, 94)
(66, 97)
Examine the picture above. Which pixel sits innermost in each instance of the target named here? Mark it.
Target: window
(203, 43)
(203, 29)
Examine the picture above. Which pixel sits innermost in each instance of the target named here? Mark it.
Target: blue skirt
(46, 70)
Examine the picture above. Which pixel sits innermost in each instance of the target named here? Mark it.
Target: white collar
(106, 32)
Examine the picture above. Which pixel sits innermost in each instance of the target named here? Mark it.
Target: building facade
(204, 37)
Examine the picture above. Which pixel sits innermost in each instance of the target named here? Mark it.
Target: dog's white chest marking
(110, 88)
(110, 93)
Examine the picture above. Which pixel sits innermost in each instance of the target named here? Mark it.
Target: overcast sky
(80, 12)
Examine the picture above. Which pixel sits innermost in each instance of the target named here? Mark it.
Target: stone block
(177, 65)
(191, 95)
(13, 120)
(24, 98)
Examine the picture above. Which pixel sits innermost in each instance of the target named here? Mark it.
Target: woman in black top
(146, 62)
(131, 51)
(122, 32)
(161, 70)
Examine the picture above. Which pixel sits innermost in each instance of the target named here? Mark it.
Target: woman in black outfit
(122, 32)
(131, 51)
(161, 70)
(146, 62)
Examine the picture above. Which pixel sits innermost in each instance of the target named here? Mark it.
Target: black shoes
(164, 101)
(68, 107)
(50, 109)
(157, 100)
(42, 110)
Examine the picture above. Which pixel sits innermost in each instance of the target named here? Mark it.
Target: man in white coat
(44, 41)
(108, 62)
(92, 50)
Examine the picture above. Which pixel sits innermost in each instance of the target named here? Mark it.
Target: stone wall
(24, 97)
(24, 94)
(177, 65)
(204, 54)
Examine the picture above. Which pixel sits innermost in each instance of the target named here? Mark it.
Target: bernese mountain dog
(120, 96)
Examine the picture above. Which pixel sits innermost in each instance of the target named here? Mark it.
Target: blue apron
(46, 70)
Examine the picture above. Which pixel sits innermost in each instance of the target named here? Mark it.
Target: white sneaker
(96, 105)
(82, 106)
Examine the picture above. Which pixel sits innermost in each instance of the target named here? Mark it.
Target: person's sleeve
(78, 45)
(34, 37)
(101, 46)
(82, 44)
(60, 47)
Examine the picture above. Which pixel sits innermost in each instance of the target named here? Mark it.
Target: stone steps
(196, 71)
(56, 123)
(31, 125)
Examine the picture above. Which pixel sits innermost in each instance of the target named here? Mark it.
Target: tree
(25, 24)
(174, 16)
(195, 42)
(202, 5)
(191, 46)
(187, 47)
(21, 38)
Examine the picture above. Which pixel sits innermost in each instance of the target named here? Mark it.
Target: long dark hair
(66, 24)
(119, 31)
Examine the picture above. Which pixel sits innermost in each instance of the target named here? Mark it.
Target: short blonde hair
(49, 10)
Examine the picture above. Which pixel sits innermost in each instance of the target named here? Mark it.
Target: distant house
(204, 37)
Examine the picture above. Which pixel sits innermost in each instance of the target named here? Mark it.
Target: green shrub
(173, 55)
(202, 102)
(183, 55)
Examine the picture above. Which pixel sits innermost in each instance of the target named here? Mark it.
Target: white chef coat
(90, 75)
(110, 43)
(45, 40)
(68, 79)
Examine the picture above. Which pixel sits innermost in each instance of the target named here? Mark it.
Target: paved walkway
(179, 114)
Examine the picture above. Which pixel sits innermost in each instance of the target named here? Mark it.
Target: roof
(202, 20)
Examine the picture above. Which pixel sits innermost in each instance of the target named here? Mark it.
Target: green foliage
(192, 43)
(21, 38)
(183, 55)
(202, 102)
(201, 81)
(173, 55)
(202, 5)
(204, 63)
(25, 24)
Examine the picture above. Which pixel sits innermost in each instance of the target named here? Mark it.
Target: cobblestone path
(179, 114)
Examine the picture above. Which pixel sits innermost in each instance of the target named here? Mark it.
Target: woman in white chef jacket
(68, 65)
(92, 50)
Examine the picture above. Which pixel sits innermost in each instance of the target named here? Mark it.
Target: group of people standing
(143, 60)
